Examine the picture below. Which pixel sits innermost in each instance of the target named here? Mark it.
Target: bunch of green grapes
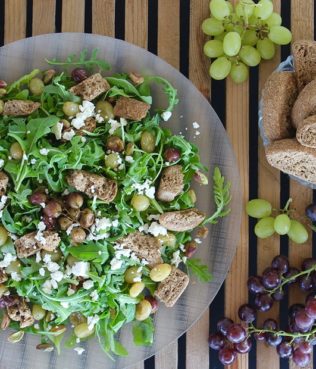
(242, 36)
(282, 223)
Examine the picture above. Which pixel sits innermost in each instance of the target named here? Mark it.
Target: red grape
(305, 283)
(311, 308)
(305, 347)
(293, 309)
(291, 273)
(223, 325)
(281, 263)
(259, 336)
(79, 74)
(308, 263)
(285, 350)
(244, 347)
(270, 324)
(263, 302)
(255, 285)
(247, 313)
(216, 341)
(271, 278)
(303, 321)
(300, 358)
(171, 154)
(227, 356)
(278, 295)
(310, 211)
(236, 333)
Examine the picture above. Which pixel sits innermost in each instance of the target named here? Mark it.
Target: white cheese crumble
(57, 130)
(129, 159)
(81, 269)
(1, 163)
(92, 321)
(52, 266)
(42, 272)
(116, 264)
(166, 115)
(153, 216)
(198, 240)
(57, 276)
(145, 189)
(70, 292)
(79, 350)
(44, 151)
(68, 135)
(94, 296)
(157, 229)
(38, 257)
(87, 284)
(65, 304)
(33, 161)
(116, 125)
(41, 226)
(86, 111)
(176, 259)
(195, 125)
(8, 258)
(16, 276)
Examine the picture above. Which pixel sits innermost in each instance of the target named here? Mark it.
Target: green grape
(231, 7)
(250, 56)
(220, 37)
(264, 228)
(212, 27)
(297, 232)
(249, 38)
(213, 48)
(232, 43)
(245, 9)
(220, 68)
(282, 224)
(274, 20)
(239, 72)
(259, 208)
(263, 9)
(266, 49)
(219, 9)
(280, 35)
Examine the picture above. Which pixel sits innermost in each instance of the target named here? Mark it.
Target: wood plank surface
(103, 15)
(73, 15)
(15, 26)
(43, 16)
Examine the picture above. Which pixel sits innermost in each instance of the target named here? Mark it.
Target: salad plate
(191, 118)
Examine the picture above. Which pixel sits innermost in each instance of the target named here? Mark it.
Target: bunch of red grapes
(297, 341)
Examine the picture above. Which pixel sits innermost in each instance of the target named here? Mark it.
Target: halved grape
(263, 9)
(212, 27)
(266, 49)
(239, 72)
(232, 43)
(219, 9)
(280, 35)
(250, 56)
(220, 68)
(213, 48)
(274, 20)
(249, 38)
(258, 208)
(265, 227)
(297, 232)
(245, 9)
(282, 224)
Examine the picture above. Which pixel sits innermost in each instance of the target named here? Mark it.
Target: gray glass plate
(217, 250)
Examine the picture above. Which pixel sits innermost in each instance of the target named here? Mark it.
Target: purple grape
(6, 301)
(285, 350)
(244, 347)
(311, 307)
(305, 347)
(273, 339)
(291, 273)
(227, 356)
(79, 74)
(271, 278)
(223, 325)
(247, 313)
(270, 324)
(308, 263)
(293, 309)
(293, 328)
(305, 283)
(303, 321)
(301, 359)
(259, 336)
(281, 263)
(255, 285)
(236, 333)
(263, 302)
(312, 340)
(216, 341)
(310, 212)
(278, 295)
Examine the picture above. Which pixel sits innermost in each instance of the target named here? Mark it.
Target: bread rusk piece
(171, 183)
(181, 220)
(278, 97)
(305, 104)
(304, 54)
(306, 132)
(291, 157)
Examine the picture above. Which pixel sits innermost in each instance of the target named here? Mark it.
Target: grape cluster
(282, 223)
(242, 36)
(300, 335)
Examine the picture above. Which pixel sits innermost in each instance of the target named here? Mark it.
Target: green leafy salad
(96, 205)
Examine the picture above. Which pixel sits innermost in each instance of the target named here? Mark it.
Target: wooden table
(171, 29)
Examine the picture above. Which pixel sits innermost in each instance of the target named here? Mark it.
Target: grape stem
(287, 205)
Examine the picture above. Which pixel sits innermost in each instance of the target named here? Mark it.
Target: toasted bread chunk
(291, 157)
(171, 183)
(89, 125)
(20, 312)
(305, 104)
(181, 220)
(93, 185)
(170, 290)
(306, 132)
(91, 87)
(304, 53)
(278, 97)
(28, 245)
(4, 180)
(129, 108)
(3, 275)
(20, 107)
(144, 246)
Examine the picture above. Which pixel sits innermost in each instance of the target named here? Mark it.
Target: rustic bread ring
(306, 132)
(305, 104)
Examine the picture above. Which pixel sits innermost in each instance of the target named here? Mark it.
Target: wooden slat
(197, 354)
(43, 16)
(103, 15)
(237, 121)
(73, 15)
(136, 32)
(168, 49)
(302, 28)
(15, 20)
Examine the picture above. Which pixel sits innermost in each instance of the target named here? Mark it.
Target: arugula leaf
(96, 252)
(85, 60)
(143, 332)
(57, 88)
(24, 80)
(200, 270)
(222, 197)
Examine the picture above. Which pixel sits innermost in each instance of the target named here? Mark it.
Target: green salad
(96, 205)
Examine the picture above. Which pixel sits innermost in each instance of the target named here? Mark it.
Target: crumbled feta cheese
(81, 269)
(150, 192)
(129, 159)
(47, 258)
(44, 151)
(41, 226)
(52, 266)
(57, 130)
(156, 229)
(144, 228)
(79, 350)
(166, 115)
(134, 257)
(33, 161)
(3, 201)
(116, 264)
(57, 276)
(47, 287)
(176, 259)
(70, 292)
(64, 304)
(87, 284)
(145, 189)
(94, 296)
(98, 118)
(153, 216)
(92, 321)
(40, 237)
(42, 272)
(181, 247)
(38, 257)
(83, 139)
(66, 192)
(36, 326)
(68, 135)
(54, 284)
(115, 223)
(184, 259)
(122, 252)
(198, 240)
(86, 111)
(114, 126)
(195, 125)
(1, 163)
(8, 258)
(16, 276)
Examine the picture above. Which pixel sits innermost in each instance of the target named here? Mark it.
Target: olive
(3, 236)
(105, 109)
(70, 108)
(36, 86)
(55, 255)
(168, 240)
(86, 218)
(82, 331)
(47, 347)
(143, 310)
(200, 178)
(66, 123)
(38, 197)
(52, 209)
(74, 200)
(48, 75)
(1, 106)
(14, 267)
(3, 289)
(160, 272)
(131, 274)
(112, 161)
(3, 84)
(153, 302)
(77, 318)
(73, 213)
(16, 337)
(64, 223)
(147, 142)
(79, 74)
(192, 196)
(16, 151)
(58, 329)
(38, 312)
(3, 92)
(49, 222)
(129, 149)
(190, 249)
(136, 289)
(140, 202)
(114, 143)
(202, 232)
(136, 78)
(78, 235)
(49, 317)
(171, 154)
(71, 260)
